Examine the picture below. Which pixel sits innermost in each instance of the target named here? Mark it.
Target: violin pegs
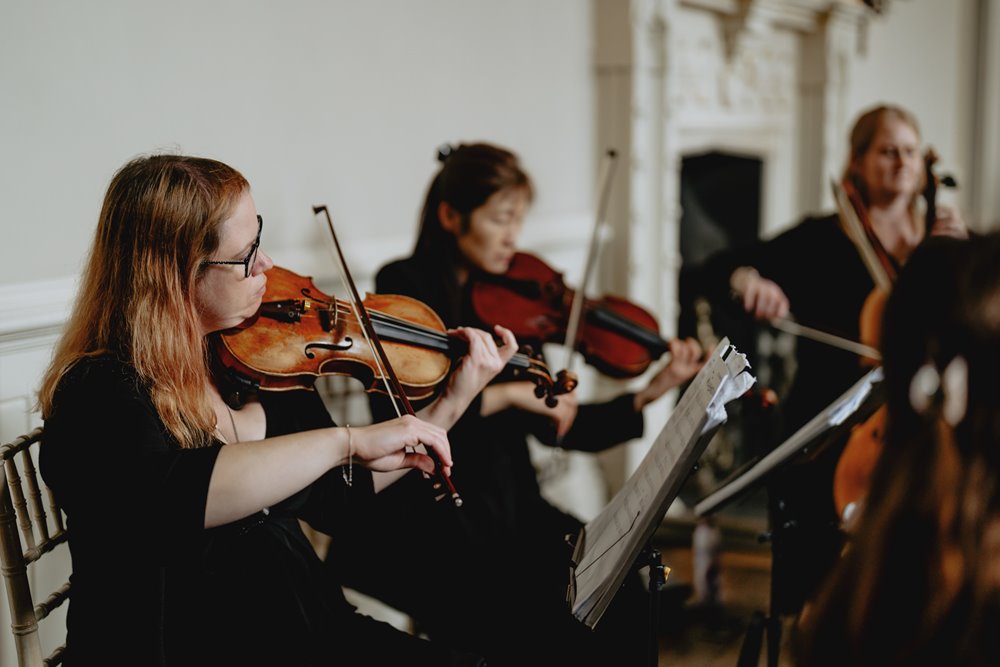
(551, 401)
(566, 381)
(540, 391)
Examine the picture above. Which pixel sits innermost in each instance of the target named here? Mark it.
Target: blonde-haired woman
(815, 272)
(183, 510)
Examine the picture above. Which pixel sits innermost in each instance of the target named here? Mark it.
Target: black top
(497, 568)
(821, 272)
(826, 282)
(491, 453)
(152, 586)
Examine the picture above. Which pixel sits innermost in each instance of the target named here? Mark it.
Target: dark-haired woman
(918, 584)
(499, 566)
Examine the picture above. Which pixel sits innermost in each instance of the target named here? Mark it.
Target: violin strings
(433, 334)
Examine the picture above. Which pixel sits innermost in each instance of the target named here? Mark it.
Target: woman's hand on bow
(762, 297)
(384, 447)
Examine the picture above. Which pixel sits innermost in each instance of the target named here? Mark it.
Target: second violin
(618, 337)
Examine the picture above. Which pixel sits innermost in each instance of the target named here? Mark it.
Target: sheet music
(608, 546)
(856, 403)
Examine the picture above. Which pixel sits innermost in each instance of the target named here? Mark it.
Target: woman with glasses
(184, 510)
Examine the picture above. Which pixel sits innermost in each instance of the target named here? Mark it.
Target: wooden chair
(28, 514)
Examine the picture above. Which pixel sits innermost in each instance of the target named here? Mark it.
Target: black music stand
(619, 538)
(828, 427)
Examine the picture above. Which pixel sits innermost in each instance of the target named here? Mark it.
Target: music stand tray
(850, 408)
(608, 547)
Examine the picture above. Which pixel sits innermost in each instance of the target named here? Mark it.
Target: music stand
(850, 408)
(607, 548)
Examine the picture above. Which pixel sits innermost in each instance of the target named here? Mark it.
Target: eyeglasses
(247, 261)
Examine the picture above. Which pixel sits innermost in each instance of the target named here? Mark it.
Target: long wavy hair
(919, 583)
(160, 219)
(470, 174)
(863, 134)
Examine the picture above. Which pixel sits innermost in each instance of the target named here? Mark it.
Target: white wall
(315, 101)
(920, 54)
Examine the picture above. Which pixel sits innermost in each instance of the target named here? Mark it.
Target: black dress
(821, 272)
(498, 567)
(152, 586)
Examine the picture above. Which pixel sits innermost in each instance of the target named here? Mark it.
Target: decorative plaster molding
(743, 19)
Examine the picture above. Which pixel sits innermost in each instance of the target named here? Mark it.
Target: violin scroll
(931, 183)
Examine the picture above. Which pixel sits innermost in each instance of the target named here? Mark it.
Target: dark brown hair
(470, 175)
(920, 581)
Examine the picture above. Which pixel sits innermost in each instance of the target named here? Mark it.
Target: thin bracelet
(347, 472)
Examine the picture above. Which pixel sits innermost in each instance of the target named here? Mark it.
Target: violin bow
(576, 310)
(393, 387)
(858, 234)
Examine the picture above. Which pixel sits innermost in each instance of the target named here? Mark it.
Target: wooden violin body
(618, 337)
(299, 334)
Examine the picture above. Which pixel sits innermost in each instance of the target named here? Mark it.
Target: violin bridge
(328, 319)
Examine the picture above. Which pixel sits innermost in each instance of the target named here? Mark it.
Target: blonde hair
(863, 134)
(160, 219)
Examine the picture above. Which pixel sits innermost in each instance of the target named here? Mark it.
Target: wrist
(739, 280)
(343, 449)
(444, 411)
(347, 472)
(640, 400)
(496, 398)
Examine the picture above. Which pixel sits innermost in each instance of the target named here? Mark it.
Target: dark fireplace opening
(721, 201)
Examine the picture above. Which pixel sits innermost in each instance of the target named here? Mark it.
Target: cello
(852, 477)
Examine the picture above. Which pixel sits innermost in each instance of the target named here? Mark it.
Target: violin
(299, 334)
(616, 336)
(852, 477)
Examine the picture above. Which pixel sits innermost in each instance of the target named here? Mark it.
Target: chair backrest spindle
(16, 521)
(34, 495)
(18, 499)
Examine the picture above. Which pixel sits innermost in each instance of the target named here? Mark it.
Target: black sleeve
(116, 471)
(597, 426)
(787, 257)
(783, 259)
